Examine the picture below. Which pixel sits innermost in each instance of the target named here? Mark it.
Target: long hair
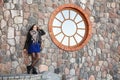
(32, 27)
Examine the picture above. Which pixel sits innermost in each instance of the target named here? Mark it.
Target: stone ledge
(21, 77)
(42, 76)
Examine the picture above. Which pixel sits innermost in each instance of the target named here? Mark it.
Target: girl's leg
(30, 67)
(36, 59)
(33, 56)
(34, 63)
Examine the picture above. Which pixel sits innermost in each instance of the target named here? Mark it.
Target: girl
(33, 46)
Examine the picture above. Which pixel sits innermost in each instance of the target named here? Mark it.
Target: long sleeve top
(29, 36)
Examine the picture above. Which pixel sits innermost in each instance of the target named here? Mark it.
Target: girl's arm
(41, 32)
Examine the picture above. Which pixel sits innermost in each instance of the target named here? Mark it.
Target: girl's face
(35, 27)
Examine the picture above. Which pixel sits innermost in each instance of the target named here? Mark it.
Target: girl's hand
(25, 53)
(24, 50)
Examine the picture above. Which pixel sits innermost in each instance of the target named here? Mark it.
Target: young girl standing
(33, 46)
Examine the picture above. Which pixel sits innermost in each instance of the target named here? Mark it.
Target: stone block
(29, 1)
(14, 13)
(83, 1)
(18, 20)
(43, 68)
(67, 71)
(10, 32)
(72, 72)
(92, 77)
(50, 76)
(7, 14)
(3, 23)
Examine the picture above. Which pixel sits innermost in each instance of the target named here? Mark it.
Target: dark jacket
(28, 40)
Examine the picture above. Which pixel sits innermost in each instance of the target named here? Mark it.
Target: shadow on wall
(115, 72)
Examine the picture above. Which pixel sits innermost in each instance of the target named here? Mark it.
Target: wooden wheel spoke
(62, 39)
(68, 41)
(69, 14)
(58, 33)
(81, 28)
(80, 35)
(75, 16)
(57, 26)
(79, 22)
(58, 19)
(63, 15)
(75, 40)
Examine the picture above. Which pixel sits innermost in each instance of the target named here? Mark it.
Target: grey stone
(83, 59)
(10, 32)
(99, 74)
(90, 52)
(3, 23)
(115, 44)
(12, 49)
(11, 42)
(72, 66)
(98, 50)
(6, 1)
(1, 17)
(72, 60)
(32, 20)
(72, 72)
(51, 68)
(107, 46)
(12, 5)
(6, 14)
(23, 31)
(18, 20)
(29, 1)
(47, 43)
(40, 22)
(7, 5)
(93, 68)
(17, 39)
(14, 13)
(50, 76)
(118, 12)
(94, 52)
(46, 21)
(13, 57)
(0, 33)
(91, 2)
(65, 55)
(83, 1)
(83, 6)
(18, 7)
(95, 37)
(14, 64)
(15, 1)
(85, 76)
(50, 9)
(73, 78)
(109, 77)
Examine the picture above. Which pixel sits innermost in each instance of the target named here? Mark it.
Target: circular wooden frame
(86, 20)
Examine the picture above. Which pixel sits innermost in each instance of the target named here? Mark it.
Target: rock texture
(98, 60)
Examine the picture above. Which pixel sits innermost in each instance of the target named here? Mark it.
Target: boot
(29, 69)
(34, 70)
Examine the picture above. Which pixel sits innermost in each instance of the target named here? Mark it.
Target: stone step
(21, 77)
(42, 76)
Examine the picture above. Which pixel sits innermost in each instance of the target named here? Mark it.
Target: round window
(69, 27)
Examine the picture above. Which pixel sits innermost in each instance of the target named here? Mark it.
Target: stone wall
(98, 60)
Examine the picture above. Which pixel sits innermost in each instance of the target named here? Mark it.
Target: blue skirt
(34, 48)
